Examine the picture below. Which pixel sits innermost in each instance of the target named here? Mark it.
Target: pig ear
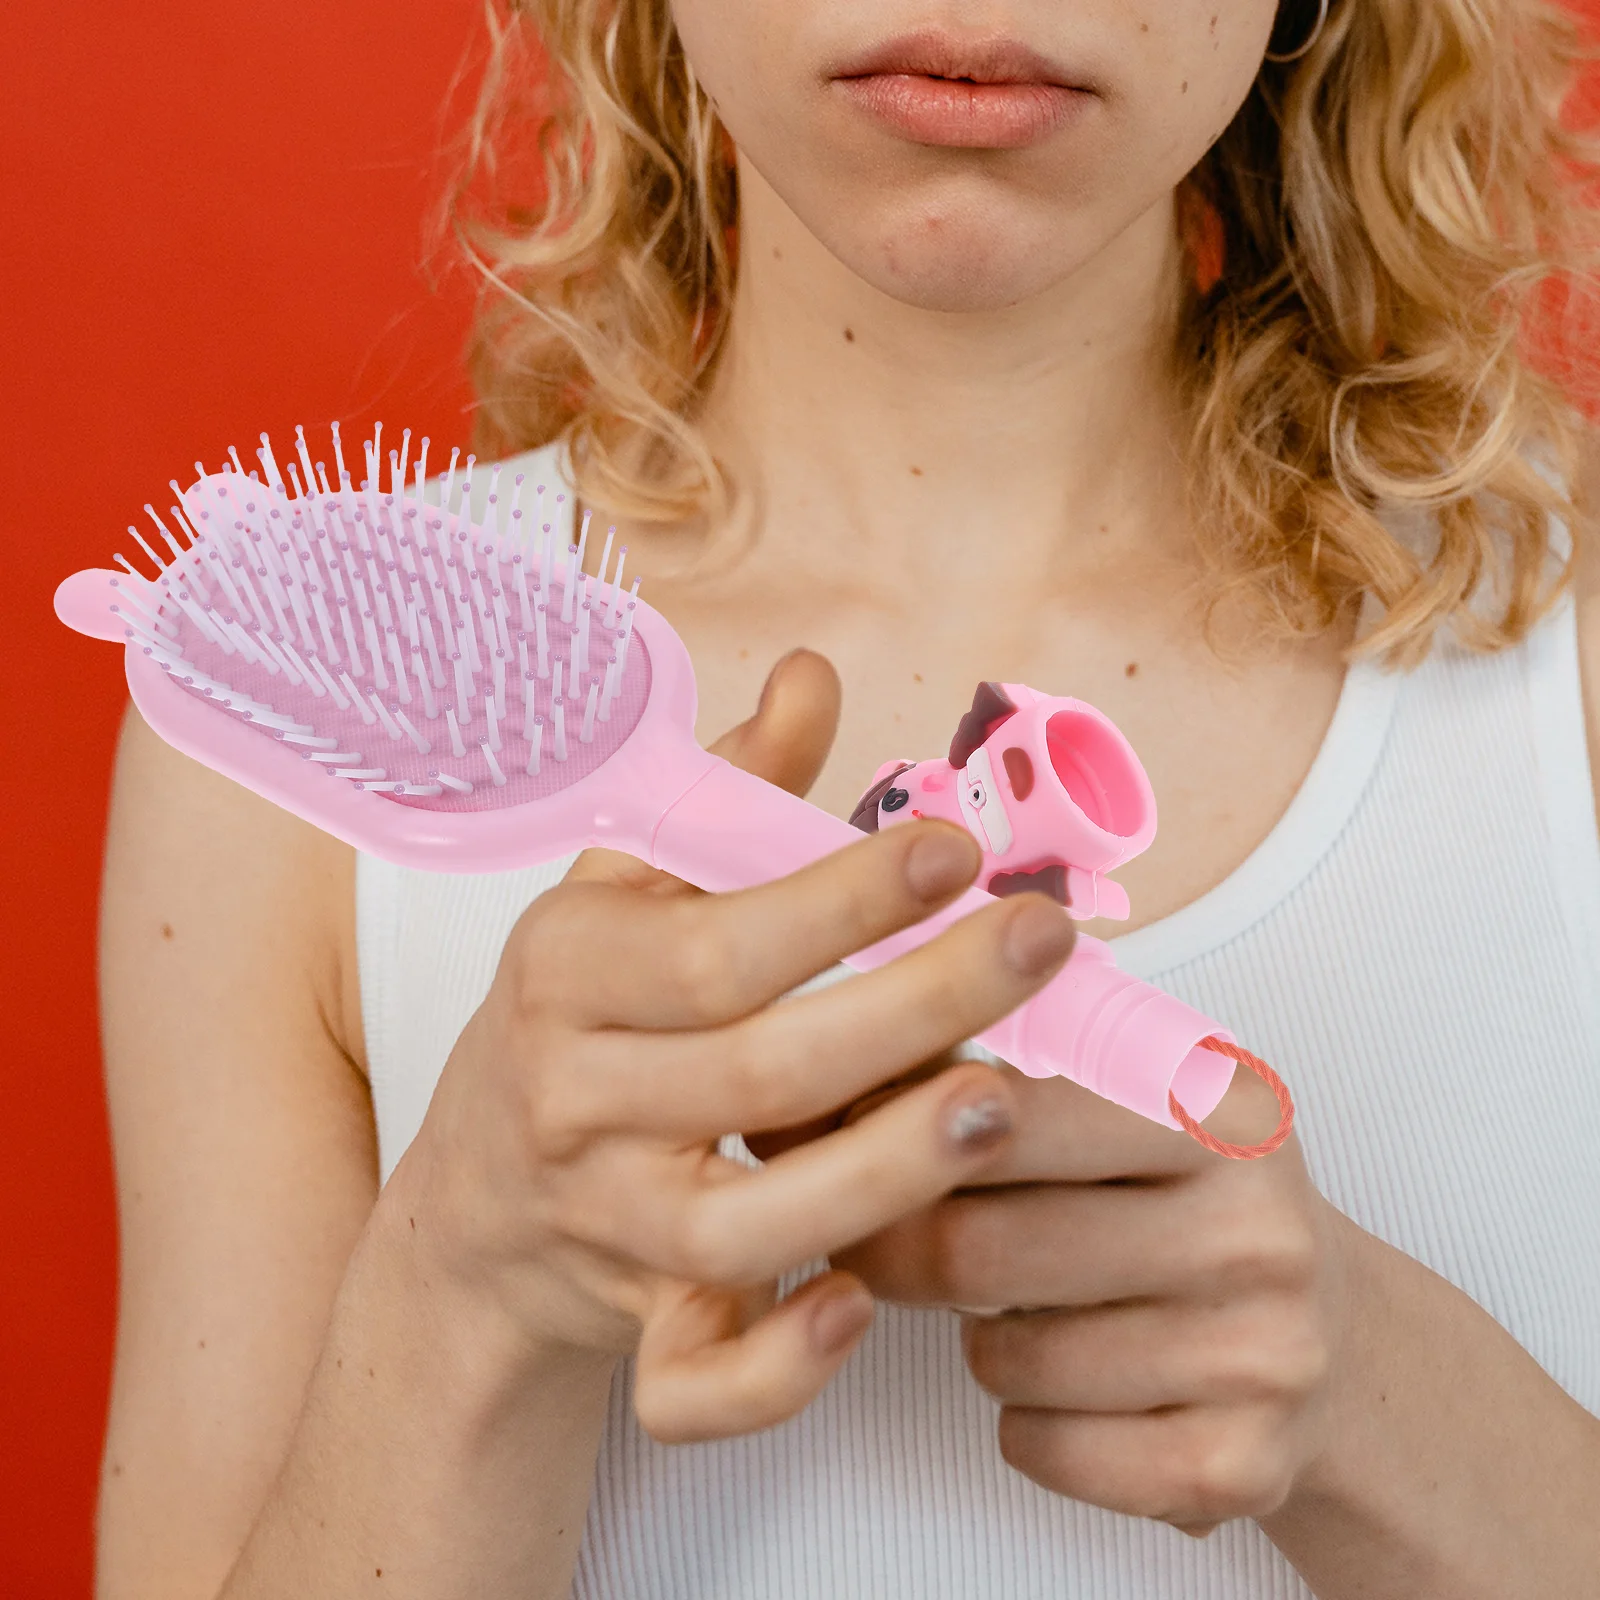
(991, 706)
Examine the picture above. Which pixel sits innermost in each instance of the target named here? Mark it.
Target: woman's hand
(567, 1172)
(1180, 1318)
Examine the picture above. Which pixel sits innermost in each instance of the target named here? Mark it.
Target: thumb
(786, 742)
(788, 739)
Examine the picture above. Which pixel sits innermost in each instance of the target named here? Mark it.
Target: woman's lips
(939, 88)
(960, 113)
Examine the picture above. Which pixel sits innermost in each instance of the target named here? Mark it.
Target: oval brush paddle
(459, 696)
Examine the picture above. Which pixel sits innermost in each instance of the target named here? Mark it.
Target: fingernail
(940, 861)
(976, 1124)
(1038, 937)
(839, 1321)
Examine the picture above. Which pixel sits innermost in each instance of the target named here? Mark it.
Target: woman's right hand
(567, 1170)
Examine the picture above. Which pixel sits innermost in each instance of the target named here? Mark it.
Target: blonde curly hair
(1371, 235)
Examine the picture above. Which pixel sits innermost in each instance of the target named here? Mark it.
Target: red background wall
(213, 225)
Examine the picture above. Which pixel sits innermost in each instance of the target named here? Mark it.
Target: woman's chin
(951, 274)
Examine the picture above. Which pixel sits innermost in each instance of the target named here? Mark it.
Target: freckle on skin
(849, 335)
(1184, 89)
(1131, 670)
(916, 677)
(916, 472)
(166, 930)
(201, 1345)
(744, 655)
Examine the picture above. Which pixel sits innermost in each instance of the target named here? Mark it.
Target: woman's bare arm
(247, 1175)
(245, 1152)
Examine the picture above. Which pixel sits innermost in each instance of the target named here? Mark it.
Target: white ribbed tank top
(1415, 946)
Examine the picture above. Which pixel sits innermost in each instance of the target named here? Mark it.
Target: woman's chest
(1225, 748)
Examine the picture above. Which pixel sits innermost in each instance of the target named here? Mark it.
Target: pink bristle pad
(325, 519)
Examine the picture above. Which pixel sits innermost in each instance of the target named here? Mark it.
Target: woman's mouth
(934, 90)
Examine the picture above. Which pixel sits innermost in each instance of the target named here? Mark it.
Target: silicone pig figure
(1049, 787)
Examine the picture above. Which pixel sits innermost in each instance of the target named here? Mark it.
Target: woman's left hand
(1180, 1315)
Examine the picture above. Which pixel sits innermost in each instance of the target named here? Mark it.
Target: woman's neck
(866, 431)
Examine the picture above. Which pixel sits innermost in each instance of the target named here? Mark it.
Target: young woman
(1170, 355)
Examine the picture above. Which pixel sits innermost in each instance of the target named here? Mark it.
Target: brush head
(357, 652)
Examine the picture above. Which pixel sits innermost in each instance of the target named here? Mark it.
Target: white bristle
(530, 716)
(390, 726)
(534, 741)
(605, 558)
(559, 710)
(335, 758)
(518, 537)
(457, 745)
(585, 612)
(571, 585)
(333, 687)
(160, 565)
(492, 720)
(356, 697)
(519, 567)
(338, 454)
(402, 684)
(422, 469)
(423, 745)
(463, 688)
(616, 589)
(460, 785)
(494, 517)
(495, 770)
(587, 732)
(312, 741)
(543, 639)
(430, 706)
(450, 481)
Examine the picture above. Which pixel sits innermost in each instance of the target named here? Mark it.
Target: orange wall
(212, 225)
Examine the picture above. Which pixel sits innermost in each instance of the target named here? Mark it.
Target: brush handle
(1124, 1039)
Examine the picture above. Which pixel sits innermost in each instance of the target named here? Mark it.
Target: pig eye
(895, 799)
(977, 794)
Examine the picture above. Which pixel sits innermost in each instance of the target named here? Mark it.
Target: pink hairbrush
(462, 698)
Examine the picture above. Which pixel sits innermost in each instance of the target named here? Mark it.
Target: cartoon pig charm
(1047, 786)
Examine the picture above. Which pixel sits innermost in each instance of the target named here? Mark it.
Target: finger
(788, 739)
(1069, 1134)
(697, 962)
(1041, 1245)
(741, 1227)
(766, 1143)
(700, 1375)
(1088, 1244)
(811, 1054)
(1144, 1355)
(1192, 1466)
(786, 742)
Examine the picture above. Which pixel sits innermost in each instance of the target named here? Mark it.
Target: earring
(1315, 34)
